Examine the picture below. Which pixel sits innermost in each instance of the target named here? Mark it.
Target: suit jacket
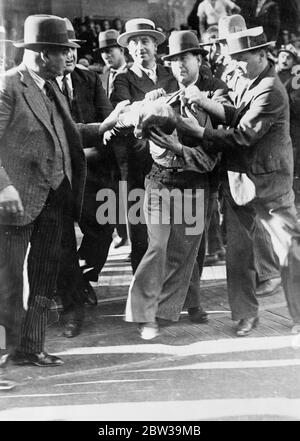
(258, 141)
(90, 103)
(105, 78)
(27, 144)
(133, 85)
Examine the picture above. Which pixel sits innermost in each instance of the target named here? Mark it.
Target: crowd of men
(215, 115)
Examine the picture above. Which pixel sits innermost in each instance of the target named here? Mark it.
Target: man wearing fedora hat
(113, 56)
(167, 278)
(141, 38)
(268, 272)
(42, 178)
(259, 161)
(88, 104)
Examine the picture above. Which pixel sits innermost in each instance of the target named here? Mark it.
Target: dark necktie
(48, 86)
(66, 90)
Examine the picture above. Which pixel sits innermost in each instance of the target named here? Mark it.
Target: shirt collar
(59, 80)
(119, 70)
(39, 81)
(147, 70)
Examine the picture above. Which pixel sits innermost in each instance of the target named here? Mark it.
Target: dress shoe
(197, 315)
(245, 326)
(268, 287)
(148, 331)
(295, 329)
(72, 329)
(40, 359)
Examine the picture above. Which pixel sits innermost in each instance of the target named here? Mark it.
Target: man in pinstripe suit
(42, 176)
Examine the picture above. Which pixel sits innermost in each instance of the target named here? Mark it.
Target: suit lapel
(35, 100)
(141, 80)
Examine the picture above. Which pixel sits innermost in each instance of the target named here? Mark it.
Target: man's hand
(10, 201)
(112, 119)
(164, 141)
(193, 96)
(190, 125)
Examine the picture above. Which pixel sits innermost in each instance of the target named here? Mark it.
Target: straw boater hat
(247, 40)
(45, 30)
(140, 26)
(181, 42)
(229, 25)
(71, 32)
(290, 49)
(107, 39)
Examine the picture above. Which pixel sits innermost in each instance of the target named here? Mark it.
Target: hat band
(246, 42)
(108, 42)
(140, 27)
(57, 38)
(71, 35)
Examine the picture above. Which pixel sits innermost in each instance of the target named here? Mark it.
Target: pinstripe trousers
(26, 330)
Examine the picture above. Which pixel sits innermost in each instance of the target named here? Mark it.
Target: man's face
(113, 57)
(285, 61)
(143, 49)
(185, 68)
(71, 60)
(55, 59)
(248, 64)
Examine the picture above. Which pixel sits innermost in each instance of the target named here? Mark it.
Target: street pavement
(189, 372)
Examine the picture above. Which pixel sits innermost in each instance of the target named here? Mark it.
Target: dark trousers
(279, 219)
(26, 329)
(267, 264)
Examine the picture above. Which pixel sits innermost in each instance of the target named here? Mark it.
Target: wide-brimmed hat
(107, 39)
(140, 26)
(290, 49)
(45, 30)
(247, 40)
(71, 32)
(181, 42)
(230, 24)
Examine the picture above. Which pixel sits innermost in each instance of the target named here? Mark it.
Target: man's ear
(199, 58)
(44, 55)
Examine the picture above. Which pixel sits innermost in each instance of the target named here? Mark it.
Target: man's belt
(169, 169)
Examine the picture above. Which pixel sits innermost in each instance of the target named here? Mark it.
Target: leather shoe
(148, 331)
(39, 359)
(72, 329)
(268, 287)
(245, 326)
(197, 315)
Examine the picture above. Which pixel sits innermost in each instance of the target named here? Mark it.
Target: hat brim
(269, 43)
(193, 50)
(123, 38)
(33, 46)
(75, 40)
(102, 49)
